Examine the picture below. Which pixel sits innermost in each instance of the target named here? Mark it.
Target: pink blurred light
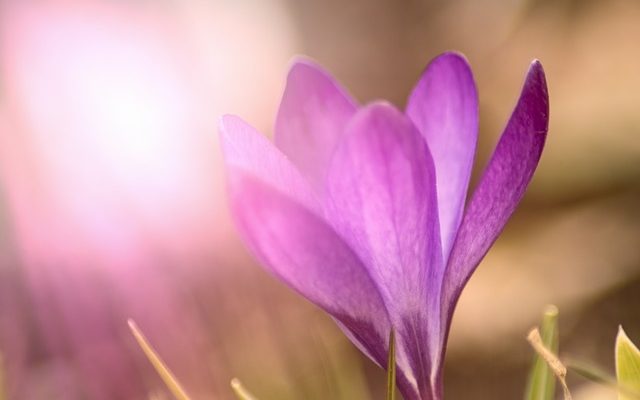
(109, 167)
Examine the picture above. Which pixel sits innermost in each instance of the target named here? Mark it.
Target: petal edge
(303, 251)
(444, 107)
(502, 185)
(313, 113)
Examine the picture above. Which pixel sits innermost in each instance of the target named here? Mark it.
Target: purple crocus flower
(362, 209)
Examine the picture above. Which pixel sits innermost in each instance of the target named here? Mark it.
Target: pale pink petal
(444, 107)
(302, 250)
(311, 119)
(248, 150)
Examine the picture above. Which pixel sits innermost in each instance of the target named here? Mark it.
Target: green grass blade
(542, 384)
(167, 376)
(597, 375)
(627, 367)
(552, 360)
(391, 367)
(3, 393)
(241, 392)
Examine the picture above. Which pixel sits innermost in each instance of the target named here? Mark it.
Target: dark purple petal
(302, 250)
(444, 107)
(502, 186)
(312, 116)
(382, 200)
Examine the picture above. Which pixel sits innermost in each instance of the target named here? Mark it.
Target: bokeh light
(113, 200)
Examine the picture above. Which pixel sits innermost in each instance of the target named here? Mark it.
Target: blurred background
(112, 200)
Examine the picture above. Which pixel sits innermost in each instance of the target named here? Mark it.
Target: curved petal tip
(312, 115)
(536, 73)
(452, 55)
(300, 66)
(444, 107)
(535, 95)
(535, 63)
(224, 121)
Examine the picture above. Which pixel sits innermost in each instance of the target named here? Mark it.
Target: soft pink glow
(116, 122)
(109, 166)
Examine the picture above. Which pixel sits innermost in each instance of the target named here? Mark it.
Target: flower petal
(382, 200)
(504, 182)
(246, 149)
(312, 116)
(280, 219)
(444, 107)
(301, 249)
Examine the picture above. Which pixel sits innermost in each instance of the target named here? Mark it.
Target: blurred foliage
(541, 384)
(161, 368)
(627, 367)
(391, 367)
(241, 391)
(2, 389)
